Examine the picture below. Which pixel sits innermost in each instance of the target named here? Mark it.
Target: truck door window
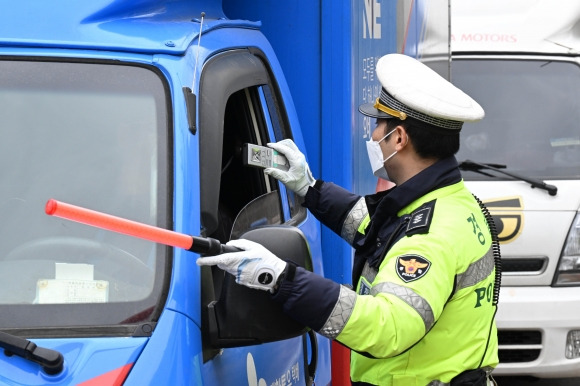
(238, 92)
(240, 103)
(241, 184)
(275, 122)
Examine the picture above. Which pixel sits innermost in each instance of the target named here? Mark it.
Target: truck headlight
(568, 273)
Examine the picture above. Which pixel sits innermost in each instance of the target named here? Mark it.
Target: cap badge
(385, 109)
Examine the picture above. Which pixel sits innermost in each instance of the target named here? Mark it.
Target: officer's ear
(401, 138)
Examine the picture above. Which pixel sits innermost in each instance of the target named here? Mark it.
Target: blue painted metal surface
(163, 34)
(328, 51)
(333, 75)
(121, 25)
(85, 359)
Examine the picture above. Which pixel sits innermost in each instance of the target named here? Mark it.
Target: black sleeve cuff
(308, 298)
(318, 184)
(313, 195)
(286, 275)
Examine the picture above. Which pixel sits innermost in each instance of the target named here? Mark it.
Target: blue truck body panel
(318, 60)
(81, 356)
(164, 35)
(328, 51)
(131, 26)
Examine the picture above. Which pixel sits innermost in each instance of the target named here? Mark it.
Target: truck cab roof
(146, 26)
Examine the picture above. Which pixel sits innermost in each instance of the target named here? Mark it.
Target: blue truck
(140, 109)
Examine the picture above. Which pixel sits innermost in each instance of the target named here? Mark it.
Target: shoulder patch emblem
(412, 267)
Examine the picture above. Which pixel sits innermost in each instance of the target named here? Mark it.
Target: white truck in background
(521, 61)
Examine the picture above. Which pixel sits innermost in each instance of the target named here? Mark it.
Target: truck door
(241, 103)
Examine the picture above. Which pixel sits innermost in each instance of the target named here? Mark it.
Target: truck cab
(141, 110)
(521, 61)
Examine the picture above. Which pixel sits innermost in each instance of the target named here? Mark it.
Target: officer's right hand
(298, 178)
(253, 266)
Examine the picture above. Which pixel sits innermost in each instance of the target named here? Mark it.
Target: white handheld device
(264, 157)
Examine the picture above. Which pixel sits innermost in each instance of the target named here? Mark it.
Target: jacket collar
(442, 173)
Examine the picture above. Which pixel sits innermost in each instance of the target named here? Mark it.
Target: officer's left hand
(299, 177)
(254, 266)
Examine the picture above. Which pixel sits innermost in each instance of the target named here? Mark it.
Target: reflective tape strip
(340, 314)
(353, 220)
(410, 297)
(476, 272)
(369, 273)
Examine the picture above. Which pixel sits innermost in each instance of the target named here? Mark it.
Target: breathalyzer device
(264, 157)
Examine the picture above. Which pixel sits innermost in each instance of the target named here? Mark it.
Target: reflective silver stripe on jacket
(369, 273)
(476, 272)
(410, 297)
(340, 314)
(353, 220)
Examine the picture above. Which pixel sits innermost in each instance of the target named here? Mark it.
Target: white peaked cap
(410, 88)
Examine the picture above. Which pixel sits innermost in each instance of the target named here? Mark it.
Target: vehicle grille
(529, 265)
(517, 346)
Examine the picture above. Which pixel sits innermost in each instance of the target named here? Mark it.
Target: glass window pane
(297, 211)
(532, 116)
(93, 135)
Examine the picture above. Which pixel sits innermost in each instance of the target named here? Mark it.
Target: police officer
(426, 282)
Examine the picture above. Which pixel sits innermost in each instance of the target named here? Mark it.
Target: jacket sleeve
(377, 326)
(398, 312)
(386, 321)
(308, 298)
(337, 208)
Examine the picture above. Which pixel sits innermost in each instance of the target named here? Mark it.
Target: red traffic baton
(203, 245)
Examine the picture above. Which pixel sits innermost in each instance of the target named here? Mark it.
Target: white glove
(254, 266)
(298, 178)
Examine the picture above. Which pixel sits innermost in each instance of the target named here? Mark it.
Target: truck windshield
(532, 116)
(93, 135)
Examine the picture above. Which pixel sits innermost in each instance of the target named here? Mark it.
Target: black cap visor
(369, 110)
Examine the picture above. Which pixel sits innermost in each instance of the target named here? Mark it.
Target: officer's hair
(428, 141)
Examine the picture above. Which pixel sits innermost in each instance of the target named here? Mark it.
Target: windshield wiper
(471, 166)
(51, 361)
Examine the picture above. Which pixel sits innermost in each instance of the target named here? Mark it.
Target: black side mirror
(241, 316)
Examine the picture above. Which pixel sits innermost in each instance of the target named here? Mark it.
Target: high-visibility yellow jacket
(424, 305)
